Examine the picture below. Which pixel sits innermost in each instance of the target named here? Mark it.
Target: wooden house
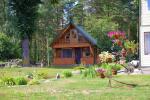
(145, 33)
(74, 46)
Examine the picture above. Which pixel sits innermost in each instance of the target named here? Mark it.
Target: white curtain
(147, 43)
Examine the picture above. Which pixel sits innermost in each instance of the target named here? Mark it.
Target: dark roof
(82, 32)
(86, 35)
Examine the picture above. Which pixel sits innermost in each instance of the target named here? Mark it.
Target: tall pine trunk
(25, 53)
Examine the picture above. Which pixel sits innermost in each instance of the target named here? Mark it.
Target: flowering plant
(100, 70)
(106, 57)
(117, 37)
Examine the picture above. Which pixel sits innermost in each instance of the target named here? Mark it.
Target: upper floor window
(147, 43)
(148, 3)
(73, 33)
(67, 37)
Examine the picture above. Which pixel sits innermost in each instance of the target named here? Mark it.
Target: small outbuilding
(73, 46)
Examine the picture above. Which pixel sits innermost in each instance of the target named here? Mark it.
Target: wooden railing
(71, 44)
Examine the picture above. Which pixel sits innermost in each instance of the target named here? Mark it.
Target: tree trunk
(25, 54)
(129, 32)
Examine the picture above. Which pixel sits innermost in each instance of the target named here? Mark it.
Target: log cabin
(145, 33)
(74, 46)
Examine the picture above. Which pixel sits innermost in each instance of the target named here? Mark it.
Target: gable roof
(86, 35)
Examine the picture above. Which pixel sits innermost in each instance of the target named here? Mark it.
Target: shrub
(80, 68)
(29, 75)
(90, 73)
(1, 82)
(41, 75)
(117, 67)
(9, 81)
(33, 82)
(67, 74)
(8, 48)
(106, 66)
(20, 81)
(106, 57)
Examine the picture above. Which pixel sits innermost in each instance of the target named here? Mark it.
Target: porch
(72, 61)
(72, 56)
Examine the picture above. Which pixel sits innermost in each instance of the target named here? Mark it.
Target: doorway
(78, 55)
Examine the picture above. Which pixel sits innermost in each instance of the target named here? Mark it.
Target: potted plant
(101, 72)
(115, 68)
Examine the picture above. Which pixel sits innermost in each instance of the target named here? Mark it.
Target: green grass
(76, 88)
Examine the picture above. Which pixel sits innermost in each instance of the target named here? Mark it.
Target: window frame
(146, 44)
(69, 55)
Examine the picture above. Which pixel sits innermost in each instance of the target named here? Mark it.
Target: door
(78, 54)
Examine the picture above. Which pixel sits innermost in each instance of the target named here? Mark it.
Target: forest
(36, 23)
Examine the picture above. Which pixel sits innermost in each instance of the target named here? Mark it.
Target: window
(67, 38)
(67, 53)
(147, 43)
(148, 3)
(73, 33)
(86, 52)
(58, 53)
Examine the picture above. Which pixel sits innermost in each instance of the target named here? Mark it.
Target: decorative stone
(57, 76)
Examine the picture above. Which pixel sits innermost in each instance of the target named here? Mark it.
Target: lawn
(75, 88)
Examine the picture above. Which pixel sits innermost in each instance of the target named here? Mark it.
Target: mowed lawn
(75, 88)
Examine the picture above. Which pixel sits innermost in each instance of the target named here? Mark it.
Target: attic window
(74, 33)
(67, 38)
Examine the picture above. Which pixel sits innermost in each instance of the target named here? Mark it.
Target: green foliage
(8, 49)
(131, 45)
(42, 75)
(132, 50)
(1, 82)
(67, 74)
(20, 81)
(99, 30)
(8, 81)
(116, 66)
(37, 75)
(23, 15)
(90, 72)
(106, 66)
(81, 68)
(29, 75)
(110, 66)
(33, 82)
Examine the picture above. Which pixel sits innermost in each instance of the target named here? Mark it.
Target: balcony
(70, 44)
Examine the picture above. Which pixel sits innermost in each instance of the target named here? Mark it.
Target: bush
(33, 82)
(9, 81)
(90, 73)
(8, 48)
(67, 74)
(40, 75)
(1, 82)
(117, 67)
(20, 81)
(29, 75)
(106, 66)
